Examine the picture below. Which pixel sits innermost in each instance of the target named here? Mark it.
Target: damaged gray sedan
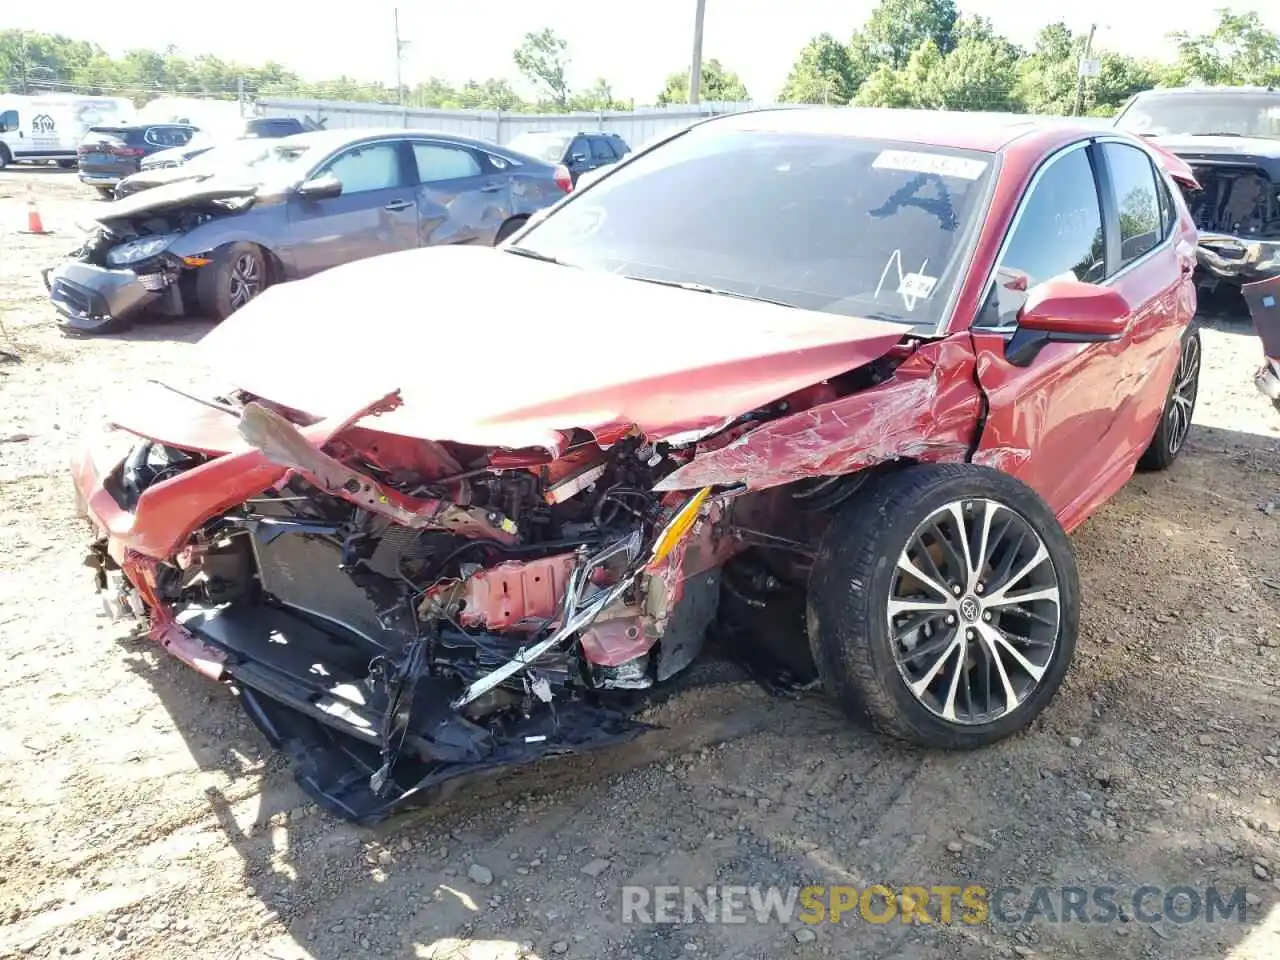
(210, 244)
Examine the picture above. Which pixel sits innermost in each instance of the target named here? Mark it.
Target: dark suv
(110, 152)
(257, 128)
(579, 152)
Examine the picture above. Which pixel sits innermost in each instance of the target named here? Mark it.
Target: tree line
(910, 53)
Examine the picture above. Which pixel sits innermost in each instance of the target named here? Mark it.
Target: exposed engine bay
(1239, 200)
(1237, 211)
(397, 612)
(138, 237)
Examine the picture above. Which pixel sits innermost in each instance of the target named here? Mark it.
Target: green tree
(718, 85)
(1239, 50)
(1120, 78)
(978, 74)
(909, 86)
(896, 28)
(543, 58)
(823, 73)
(599, 96)
(1047, 78)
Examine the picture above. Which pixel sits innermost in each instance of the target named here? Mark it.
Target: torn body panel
(927, 411)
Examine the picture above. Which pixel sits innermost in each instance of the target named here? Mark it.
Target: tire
(858, 571)
(1179, 406)
(67, 164)
(218, 283)
(508, 228)
(5, 158)
(106, 193)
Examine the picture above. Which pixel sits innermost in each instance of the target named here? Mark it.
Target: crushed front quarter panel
(927, 410)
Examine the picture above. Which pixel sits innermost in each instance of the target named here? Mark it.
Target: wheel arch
(853, 576)
(511, 226)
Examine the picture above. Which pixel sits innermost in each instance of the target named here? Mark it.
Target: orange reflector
(196, 261)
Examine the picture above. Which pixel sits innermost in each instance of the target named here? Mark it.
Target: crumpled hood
(163, 176)
(494, 349)
(171, 196)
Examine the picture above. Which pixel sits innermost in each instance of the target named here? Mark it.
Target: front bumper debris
(88, 297)
(1238, 259)
(343, 720)
(1267, 380)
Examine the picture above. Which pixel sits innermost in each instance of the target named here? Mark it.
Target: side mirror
(1066, 311)
(320, 188)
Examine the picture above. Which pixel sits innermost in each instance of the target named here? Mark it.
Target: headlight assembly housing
(138, 250)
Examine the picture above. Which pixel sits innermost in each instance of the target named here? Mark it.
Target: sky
(633, 45)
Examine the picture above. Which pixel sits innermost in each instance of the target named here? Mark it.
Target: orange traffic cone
(34, 223)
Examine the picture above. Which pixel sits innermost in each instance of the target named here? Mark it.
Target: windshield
(234, 153)
(544, 146)
(275, 162)
(1233, 114)
(843, 225)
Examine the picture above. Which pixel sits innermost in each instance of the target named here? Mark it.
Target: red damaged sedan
(467, 508)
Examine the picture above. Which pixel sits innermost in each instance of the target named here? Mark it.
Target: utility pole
(1080, 68)
(400, 45)
(695, 69)
(240, 95)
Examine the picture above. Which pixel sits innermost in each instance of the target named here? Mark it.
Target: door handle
(398, 205)
(491, 188)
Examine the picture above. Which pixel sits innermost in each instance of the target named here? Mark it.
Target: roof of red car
(989, 132)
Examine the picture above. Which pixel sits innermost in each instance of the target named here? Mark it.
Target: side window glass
(437, 162)
(1058, 235)
(9, 120)
(182, 136)
(1168, 208)
(601, 150)
(375, 166)
(579, 147)
(1133, 183)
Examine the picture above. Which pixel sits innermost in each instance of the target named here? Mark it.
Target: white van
(49, 126)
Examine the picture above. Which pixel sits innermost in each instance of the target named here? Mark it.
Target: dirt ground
(143, 816)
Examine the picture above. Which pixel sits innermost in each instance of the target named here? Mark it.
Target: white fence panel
(634, 126)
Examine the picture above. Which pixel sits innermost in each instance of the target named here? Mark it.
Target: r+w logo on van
(43, 123)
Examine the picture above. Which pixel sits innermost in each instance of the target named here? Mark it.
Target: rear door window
(579, 148)
(602, 151)
(1057, 234)
(1135, 193)
(165, 136)
(437, 162)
